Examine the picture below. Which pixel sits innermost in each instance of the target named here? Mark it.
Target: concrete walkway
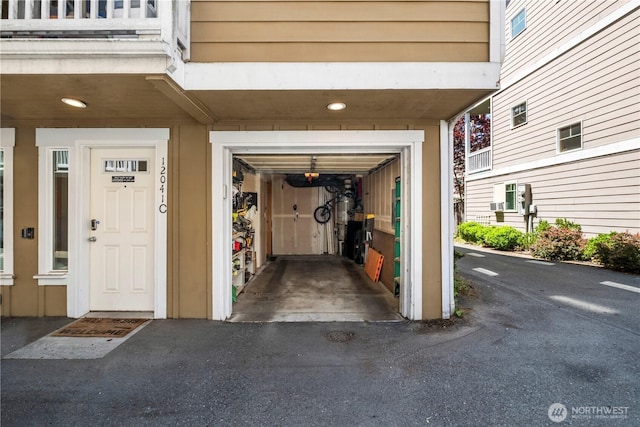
(322, 288)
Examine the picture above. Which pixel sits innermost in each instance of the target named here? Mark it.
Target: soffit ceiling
(133, 97)
(132, 100)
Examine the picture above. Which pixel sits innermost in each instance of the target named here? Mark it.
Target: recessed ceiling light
(74, 102)
(336, 106)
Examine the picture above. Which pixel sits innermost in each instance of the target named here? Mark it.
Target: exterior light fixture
(74, 102)
(337, 106)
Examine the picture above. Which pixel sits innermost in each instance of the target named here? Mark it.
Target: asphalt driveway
(505, 364)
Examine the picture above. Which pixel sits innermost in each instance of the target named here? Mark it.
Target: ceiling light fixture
(74, 102)
(337, 106)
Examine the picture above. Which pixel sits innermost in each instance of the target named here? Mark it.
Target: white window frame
(522, 12)
(526, 114)
(46, 273)
(515, 193)
(7, 144)
(558, 140)
(79, 141)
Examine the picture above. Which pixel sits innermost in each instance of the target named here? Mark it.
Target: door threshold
(120, 314)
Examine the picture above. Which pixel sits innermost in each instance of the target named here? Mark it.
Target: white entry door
(122, 229)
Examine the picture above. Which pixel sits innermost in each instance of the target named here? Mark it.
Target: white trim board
(7, 144)
(78, 142)
(224, 144)
(340, 75)
(562, 158)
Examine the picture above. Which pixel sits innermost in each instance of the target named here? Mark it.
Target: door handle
(92, 239)
(94, 224)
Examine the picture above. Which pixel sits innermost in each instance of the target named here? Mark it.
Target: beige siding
(597, 84)
(601, 194)
(250, 31)
(549, 24)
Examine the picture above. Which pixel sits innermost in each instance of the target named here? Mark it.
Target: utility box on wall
(523, 198)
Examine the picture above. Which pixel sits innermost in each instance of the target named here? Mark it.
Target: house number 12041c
(163, 181)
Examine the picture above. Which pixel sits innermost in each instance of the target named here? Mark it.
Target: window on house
(518, 23)
(519, 115)
(510, 196)
(60, 210)
(570, 137)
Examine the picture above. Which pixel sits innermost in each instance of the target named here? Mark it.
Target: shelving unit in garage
(396, 252)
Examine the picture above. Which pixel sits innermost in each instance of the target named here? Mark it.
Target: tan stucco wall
(189, 252)
(431, 242)
(25, 297)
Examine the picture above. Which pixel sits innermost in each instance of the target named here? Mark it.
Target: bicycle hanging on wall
(323, 213)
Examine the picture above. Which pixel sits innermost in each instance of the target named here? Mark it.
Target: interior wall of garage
(378, 200)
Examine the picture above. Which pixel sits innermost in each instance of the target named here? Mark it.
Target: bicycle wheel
(331, 188)
(322, 214)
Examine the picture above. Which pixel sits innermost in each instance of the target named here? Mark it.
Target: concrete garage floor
(321, 288)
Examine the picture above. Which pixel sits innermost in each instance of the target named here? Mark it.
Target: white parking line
(485, 271)
(583, 305)
(475, 255)
(540, 262)
(621, 286)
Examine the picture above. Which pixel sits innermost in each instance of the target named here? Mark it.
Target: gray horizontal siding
(601, 194)
(598, 84)
(549, 24)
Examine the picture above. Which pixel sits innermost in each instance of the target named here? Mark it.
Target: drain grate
(340, 336)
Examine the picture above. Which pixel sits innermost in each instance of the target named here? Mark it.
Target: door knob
(92, 239)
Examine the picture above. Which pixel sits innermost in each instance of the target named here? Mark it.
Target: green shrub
(503, 238)
(543, 225)
(472, 232)
(591, 249)
(559, 244)
(621, 253)
(565, 223)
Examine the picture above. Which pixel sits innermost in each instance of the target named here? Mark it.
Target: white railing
(79, 9)
(165, 21)
(479, 160)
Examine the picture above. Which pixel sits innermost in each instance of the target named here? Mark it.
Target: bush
(543, 225)
(559, 244)
(569, 225)
(621, 252)
(591, 249)
(472, 232)
(503, 238)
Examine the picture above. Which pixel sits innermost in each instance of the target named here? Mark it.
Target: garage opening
(316, 237)
(308, 221)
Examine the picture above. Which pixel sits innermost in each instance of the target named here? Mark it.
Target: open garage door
(274, 153)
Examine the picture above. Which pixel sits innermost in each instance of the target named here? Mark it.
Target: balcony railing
(479, 160)
(164, 22)
(78, 18)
